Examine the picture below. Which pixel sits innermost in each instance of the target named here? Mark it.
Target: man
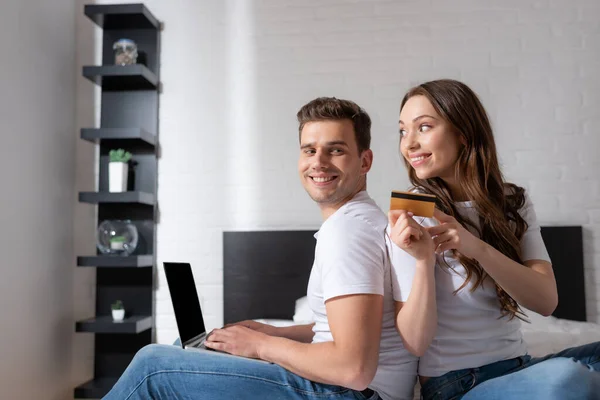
(352, 350)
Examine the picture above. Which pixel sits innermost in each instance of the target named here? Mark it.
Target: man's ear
(366, 159)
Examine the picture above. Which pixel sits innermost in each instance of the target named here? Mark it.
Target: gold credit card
(417, 203)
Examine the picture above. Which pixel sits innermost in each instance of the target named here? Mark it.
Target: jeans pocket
(368, 394)
(453, 389)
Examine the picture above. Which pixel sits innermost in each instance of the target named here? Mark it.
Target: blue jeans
(569, 374)
(169, 372)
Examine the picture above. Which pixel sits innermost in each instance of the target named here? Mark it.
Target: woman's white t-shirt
(471, 332)
(351, 257)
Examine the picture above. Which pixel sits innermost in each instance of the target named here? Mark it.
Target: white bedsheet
(546, 335)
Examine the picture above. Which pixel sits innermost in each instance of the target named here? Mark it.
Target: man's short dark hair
(332, 109)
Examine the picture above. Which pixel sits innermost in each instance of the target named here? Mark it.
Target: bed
(567, 327)
(266, 274)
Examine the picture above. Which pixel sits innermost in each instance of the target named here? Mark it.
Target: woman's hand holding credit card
(405, 232)
(418, 204)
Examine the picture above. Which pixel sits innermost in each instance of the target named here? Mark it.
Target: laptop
(188, 314)
(190, 322)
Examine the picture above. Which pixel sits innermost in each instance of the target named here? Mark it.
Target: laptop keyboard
(201, 345)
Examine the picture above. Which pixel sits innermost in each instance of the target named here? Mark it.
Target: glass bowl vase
(117, 237)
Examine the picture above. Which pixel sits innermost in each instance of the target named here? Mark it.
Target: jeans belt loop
(474, 380)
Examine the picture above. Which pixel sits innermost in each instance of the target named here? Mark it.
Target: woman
(491, 259)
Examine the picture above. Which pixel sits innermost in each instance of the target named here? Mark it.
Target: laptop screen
(185, 300)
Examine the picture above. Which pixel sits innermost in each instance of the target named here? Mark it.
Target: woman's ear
(461, 139)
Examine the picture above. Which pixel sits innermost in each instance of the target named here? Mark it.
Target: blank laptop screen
(185, 300)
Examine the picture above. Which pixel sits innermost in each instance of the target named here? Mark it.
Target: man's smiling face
(331, 169)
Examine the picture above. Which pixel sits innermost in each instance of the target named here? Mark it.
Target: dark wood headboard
(264, 272)
(565, 246)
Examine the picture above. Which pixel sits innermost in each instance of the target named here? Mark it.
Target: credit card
(417, 203)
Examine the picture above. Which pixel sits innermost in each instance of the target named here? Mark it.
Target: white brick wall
(236, 72)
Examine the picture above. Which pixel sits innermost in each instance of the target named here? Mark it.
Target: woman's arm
(416, 317)
(532, 285)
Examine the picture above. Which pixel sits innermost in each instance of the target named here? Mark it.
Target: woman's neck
(456, 190)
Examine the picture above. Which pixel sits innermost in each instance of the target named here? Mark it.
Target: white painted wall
(236, 72)
(37, 169)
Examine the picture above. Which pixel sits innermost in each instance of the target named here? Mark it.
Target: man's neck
(327, 210)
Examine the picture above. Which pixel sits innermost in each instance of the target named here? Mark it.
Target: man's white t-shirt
(351, 257)
(470, 331)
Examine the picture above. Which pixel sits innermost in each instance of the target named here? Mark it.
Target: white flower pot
(117, 245)
(118, 315)
(117, 176)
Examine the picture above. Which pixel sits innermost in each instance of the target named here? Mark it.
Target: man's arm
(351, 274)
(350, 360)
(299, 333)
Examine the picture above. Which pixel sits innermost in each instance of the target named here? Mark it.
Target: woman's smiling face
(427, 141)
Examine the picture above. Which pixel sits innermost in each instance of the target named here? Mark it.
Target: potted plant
(118, 168)
(118, 312)
(117, 243)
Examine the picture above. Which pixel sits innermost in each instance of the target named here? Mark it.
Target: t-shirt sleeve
(532, 244)
(352, 258)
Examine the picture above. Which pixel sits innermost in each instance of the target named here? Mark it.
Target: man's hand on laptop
(238, 340)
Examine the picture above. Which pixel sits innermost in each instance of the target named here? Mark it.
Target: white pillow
(303, 314)
(277, 322)
(538, 322)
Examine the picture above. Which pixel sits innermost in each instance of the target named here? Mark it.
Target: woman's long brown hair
(478, 171)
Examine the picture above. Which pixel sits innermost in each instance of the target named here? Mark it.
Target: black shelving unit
(129, 120)
(119, 136)
(95, 389)
(134, 196)
(118, 77)
(104, 324)
(138, 261)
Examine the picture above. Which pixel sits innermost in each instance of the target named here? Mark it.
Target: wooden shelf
(121, 16)
(105, 324)
(122, 77)
(117, 134)
(118, 197)
(95, 389)
(141, 261)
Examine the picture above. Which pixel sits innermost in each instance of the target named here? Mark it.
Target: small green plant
(117, 305)
(119, 155)
(117, 239)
